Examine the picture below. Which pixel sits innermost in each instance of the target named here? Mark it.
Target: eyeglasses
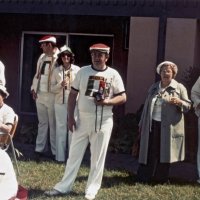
(44, 44)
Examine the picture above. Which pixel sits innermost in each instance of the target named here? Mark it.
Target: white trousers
(84, 134)
(198, 151)
(46, 118)
(8, 181)
(63, 136)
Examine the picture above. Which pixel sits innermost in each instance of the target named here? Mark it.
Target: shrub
(125, 131)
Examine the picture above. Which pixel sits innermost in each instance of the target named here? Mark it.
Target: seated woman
(8, 181)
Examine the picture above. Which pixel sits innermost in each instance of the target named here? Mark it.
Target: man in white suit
(41, 92)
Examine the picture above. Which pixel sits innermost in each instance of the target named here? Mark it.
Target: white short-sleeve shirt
(90, 81)
(6, 115)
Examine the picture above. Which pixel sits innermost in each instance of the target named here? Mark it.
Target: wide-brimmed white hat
(65, 48)
(48, 38)
(3, 89)
(100, 47)
(167, 63)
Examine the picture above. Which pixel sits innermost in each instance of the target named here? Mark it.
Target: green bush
(124, 133)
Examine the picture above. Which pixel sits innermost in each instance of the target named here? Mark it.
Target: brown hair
(71, 55)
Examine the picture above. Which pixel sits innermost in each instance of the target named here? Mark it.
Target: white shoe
(198, 180)
(90, 196)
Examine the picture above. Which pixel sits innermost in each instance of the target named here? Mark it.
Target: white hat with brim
(48, 38)
(167, 63)
(100, 47)
(65, 48)
(3, 89)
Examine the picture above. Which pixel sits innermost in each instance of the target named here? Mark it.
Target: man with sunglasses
(41, 92)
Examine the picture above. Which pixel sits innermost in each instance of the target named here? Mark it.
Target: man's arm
(36, 78)
(116, 100)
(5, 128)
(71, 107)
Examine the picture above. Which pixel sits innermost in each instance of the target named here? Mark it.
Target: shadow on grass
(39, 194)
(182, 182)
(130, 179)
(116, 180)
(36, 193)
(81, 178)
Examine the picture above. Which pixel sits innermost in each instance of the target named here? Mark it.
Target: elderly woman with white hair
(162, 126)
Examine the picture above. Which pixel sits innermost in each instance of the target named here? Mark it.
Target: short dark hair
(3, 94)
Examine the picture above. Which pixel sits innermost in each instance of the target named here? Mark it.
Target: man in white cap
(98, 88)
(61, 81)
(41, 92)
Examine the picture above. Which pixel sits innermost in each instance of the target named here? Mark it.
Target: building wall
(197, 45)
(15, 24)
(142, 59)
(136, 64)
(180, 47)
(180, 43)
(10, 56)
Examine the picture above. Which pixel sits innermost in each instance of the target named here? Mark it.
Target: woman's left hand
(175, 101)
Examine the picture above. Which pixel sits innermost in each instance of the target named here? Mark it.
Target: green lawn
(117, 185)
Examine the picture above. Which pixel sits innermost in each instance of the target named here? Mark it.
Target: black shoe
(49, 156)
(60, 162)
(38, 156)
(53, 193)
(161, 181)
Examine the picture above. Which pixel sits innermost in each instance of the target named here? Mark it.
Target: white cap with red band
(100, 47)
(48, 38)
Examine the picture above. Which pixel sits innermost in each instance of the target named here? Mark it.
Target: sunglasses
(65, 54)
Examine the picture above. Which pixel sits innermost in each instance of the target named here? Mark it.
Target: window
(29, 55)
(30, 52)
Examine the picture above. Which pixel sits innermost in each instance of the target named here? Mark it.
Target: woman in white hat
(62, 78)
(162, 126)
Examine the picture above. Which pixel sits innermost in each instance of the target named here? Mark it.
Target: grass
(116, 185)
